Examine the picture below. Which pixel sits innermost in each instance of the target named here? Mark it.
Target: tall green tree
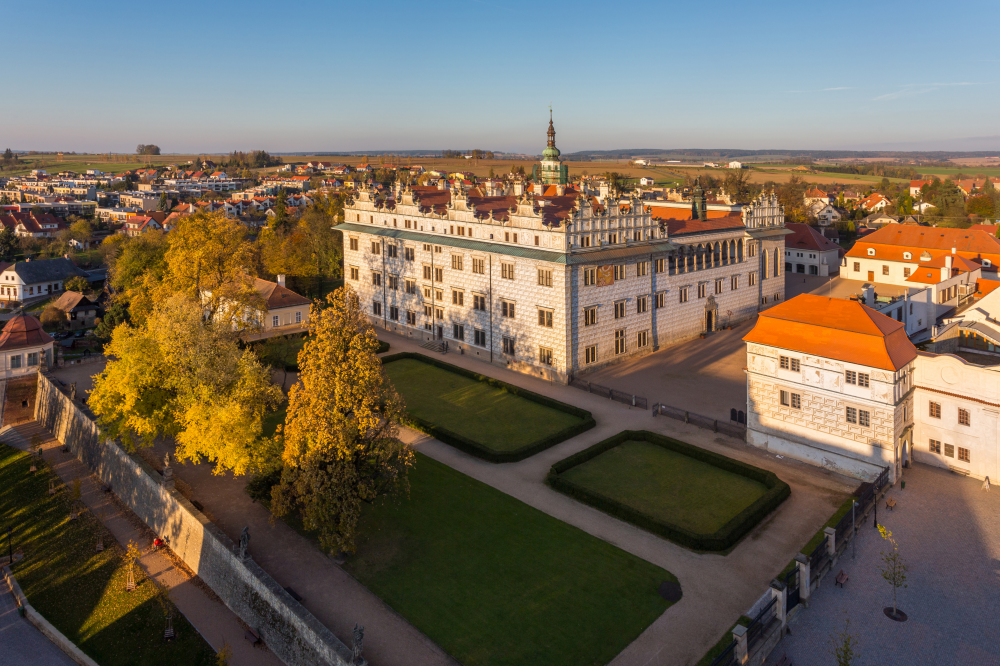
(8, 244)
(340, 440)
(164, 204)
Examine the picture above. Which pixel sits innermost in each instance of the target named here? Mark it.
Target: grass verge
(480, 415)
(495, 582)
(80, 591)
(699, 491)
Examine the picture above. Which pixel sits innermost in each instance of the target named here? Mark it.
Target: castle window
(871, 252)
(963, 417)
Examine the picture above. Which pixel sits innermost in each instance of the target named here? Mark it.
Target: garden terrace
(696, 498)
(480, 415)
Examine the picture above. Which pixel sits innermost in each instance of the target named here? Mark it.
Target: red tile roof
(23, 331)
(806, 237)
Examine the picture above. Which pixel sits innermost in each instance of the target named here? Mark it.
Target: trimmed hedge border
(473, 447)
(728, 535)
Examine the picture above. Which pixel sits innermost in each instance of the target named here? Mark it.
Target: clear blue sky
(323, 75)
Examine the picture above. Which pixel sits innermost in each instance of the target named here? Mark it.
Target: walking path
(20, 643)
(948, 531)
(717, 588)
(215, 622)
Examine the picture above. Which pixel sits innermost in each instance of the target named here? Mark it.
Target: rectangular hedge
(727, 536)
(473, 447)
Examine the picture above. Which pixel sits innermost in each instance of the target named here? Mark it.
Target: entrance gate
(791, 590)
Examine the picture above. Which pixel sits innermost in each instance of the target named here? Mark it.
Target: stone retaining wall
(287, 628)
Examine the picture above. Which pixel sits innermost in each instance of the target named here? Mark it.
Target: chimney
(870, 295)
(560, 190)
(953, 250)
(281, 279)
(442, 184)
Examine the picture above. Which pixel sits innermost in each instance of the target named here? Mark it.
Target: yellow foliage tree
(341, 445)
(209, 257)
(179, 375)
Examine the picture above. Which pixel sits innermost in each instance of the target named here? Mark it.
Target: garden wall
(288, 629)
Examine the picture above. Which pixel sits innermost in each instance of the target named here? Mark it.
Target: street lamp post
(10, 549)
(854, 530)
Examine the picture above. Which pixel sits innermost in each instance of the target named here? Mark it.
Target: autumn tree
(893, 567)
(208, 257)
(340, 438)
(737, 185)
(81, 230)
(137, 267)
(77, 283)
(180, 375)
(843, 645)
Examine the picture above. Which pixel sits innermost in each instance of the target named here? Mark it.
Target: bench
(841, 578)
(784, 661)
(251, 636)
(890, 503)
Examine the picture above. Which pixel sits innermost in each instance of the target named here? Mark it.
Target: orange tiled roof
(816, 193)
(835, 328)
(892, 240)
(984, 287)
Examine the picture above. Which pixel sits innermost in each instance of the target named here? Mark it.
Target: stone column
(740, 636)
(831, 541)
(780, 593)
(803, 563)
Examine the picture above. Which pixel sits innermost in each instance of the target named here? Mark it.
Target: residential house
(24, 347)
(646, 181)
(826, 214)
(287, 312)
(33, 224)
(894, 253)
(140, 224)
(31, 279)
(916, 185)
(877, 220)
(78, 310)
(815, 195)
(874, 202)
(809, 251)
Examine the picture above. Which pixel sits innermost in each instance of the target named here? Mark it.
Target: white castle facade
(549, 281)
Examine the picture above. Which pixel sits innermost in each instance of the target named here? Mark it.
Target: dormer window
(871, 252)
(987, 263)
(907, 256)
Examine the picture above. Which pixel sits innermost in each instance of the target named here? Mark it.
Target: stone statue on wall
(244, 542)
(359, 637)
(72, 391)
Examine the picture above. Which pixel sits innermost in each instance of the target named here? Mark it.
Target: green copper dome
(550, 154)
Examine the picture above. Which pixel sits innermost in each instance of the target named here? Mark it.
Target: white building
(24, 347)
(553, 282)
(808, 251)
(828, 382)
(30, 279)
(835, 384)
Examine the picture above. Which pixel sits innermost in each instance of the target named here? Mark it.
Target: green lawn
(495, 582)
(80, 591)
(498, 420)
(667, 485)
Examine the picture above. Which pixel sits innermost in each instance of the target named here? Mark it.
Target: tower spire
(552, 131)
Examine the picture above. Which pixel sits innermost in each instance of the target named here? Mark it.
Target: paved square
(948, 531)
